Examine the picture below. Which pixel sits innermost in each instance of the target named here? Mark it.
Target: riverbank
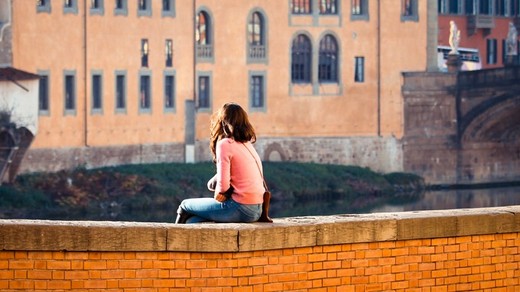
(152, 192)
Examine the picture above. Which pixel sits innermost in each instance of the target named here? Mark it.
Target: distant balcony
(480, 21)
(204, 52)
(257, 52)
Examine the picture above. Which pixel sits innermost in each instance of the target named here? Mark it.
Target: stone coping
(292, 232)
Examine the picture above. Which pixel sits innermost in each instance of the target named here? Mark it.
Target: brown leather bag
(265, 207)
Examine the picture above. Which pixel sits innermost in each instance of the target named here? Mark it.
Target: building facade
(484, 26)
(136, 81)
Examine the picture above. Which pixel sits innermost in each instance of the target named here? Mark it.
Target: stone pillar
(453, 63)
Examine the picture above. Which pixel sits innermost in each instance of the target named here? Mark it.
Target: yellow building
(134, 81)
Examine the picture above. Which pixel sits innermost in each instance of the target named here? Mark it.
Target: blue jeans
(209, 209)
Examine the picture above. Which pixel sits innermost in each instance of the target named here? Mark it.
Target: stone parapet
(451, 250)
(297, 232)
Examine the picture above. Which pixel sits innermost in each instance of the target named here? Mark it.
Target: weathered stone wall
(451, 250)
(50, 160)
(378, 153)
(439, 145)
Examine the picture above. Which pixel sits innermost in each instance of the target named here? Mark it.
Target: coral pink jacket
(237, 167)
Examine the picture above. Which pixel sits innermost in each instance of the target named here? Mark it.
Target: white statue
(454, 38)
(511, 41)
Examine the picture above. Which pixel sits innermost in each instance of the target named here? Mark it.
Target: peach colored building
(135, 81)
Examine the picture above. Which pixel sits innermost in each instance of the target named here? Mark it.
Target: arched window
(256, 36)
(203, 36)
(301, 62)
(328, 60)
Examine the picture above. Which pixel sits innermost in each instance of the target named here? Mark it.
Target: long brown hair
(230, 121)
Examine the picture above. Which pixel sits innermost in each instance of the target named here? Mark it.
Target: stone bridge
(462, 127)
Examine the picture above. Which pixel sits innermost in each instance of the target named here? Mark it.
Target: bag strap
(264, 217)
(258, 166)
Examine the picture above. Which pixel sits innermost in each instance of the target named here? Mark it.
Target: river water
(427, 200)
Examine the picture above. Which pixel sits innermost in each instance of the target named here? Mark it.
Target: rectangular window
(169, 52)
(443, 7)
(359, 10)
(409, 10)
(70, 6)
(469, 7)
(144, 8)
(169, 91)
(328, 7)
(359, 69)
(168, 8)
(485, 7)
(43, 6)
(70, 93)
(204, 92)
(514, 6)
(145, 97)
(491, 45)
(454, 7)
(504, 51)
(121, 7)
(97, 90)
(120, 92)
(500, 7)
(43, 94)
(96, 7)
(257, 91)
(144, 53)
(301, 6)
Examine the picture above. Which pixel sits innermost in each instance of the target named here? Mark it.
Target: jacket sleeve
(223, 155)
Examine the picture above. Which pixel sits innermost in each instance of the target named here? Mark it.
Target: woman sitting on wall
(238, 185)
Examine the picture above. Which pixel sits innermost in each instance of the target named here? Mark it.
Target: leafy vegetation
(152, 192)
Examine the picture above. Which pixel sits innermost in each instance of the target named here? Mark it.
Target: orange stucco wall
(82, 42)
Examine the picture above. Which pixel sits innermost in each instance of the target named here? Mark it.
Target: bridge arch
(494, 120)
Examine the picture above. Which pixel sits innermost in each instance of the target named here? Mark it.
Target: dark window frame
(144, 8)
(204, 45)
(330, 7)
(44, 7)
(256, 48)
(204, 95)
(301, 7)
(257, 91)
(409, 10)
(168, 52)
(69, 92)
(123, 9)
(328, 60)
(70, 6)
(359, 69)
(168, 8)
(120, 93)
(97, 7)
(359, 10)
(491, 52)
(301, 59)
(145, 92)
(44, 93)
(145, 52)
(96, 96)
(169, 91)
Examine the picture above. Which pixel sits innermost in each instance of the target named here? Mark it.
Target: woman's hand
(220, 197)
(212, 183)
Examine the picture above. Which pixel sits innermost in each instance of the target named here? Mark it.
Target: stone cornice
(46, 235)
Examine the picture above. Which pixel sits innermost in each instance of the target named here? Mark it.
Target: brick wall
(451, 250)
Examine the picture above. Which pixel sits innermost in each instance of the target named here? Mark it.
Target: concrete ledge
(284, 233)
